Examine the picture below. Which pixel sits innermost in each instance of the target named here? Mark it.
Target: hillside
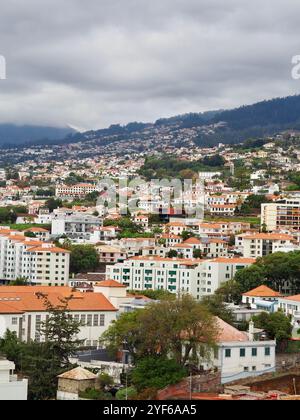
(210, 128)
(11, 134)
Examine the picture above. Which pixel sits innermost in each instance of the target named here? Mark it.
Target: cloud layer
(99, 62)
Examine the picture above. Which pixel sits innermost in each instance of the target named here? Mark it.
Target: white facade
(261, 244)
(23, 314)
(78, 190)
(281, 215)
(37, 261)
(74, 225)
(237, 360)
(197, 277)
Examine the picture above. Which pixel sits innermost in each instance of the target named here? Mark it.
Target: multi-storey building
(23, 310)
(194, 276)
(75, 225)
(281, 215)
(261, 244)
(38, 261)
(78, 190)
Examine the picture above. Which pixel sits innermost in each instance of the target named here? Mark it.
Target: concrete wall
(14, 391)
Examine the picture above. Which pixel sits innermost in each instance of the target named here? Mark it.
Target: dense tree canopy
(157, 372)
(187, 319)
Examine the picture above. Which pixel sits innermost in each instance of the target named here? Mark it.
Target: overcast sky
(97, 62)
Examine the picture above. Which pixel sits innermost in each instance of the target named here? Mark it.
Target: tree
(277, 325)
(83, 258)
(130, 393)
(217, 307)
(187, 324)
(252, 204)
(186, 235)
(60, 329)
(157, 372)
(172, 254)
(250, 277)
(127, 329)
(53, 204)
(197, 253)
(105, 380)
(20, 281)
(230, 292)
(11, 347)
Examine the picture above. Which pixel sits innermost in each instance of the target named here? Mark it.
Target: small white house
(239, 355)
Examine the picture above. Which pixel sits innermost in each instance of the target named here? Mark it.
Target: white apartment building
(38, 261)
(22, 310)
(291, 306)
(196, 277)
(222, 209)
(74, 225)
(11, 387)
(285, 215)
(141, 273)
(175, 228)
(78, 190)
(261, 244)
(109, 254)
(222, 228)
(209, 247)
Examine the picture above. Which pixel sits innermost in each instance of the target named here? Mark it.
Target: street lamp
(126, 359)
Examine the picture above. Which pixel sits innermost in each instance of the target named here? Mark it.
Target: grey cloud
(106, 61)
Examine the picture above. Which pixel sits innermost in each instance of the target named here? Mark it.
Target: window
(242, 352)
(102, 320)
(96, 320)
(227, 353)
(89, 320)
(246, 369)
(82, 319)
(14, 321)
(254, 351)
(267, 351)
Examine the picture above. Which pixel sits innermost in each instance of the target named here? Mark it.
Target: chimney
(251, 331)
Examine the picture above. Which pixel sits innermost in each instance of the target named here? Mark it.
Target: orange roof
(20, 299)
(192, 241)
(53, 249)
(110, 283)
(262, 291)
(235, 260)
(36, 229)
(228, 333)
(223, 206)
(266, 236)
(183, 261)
(295, 298)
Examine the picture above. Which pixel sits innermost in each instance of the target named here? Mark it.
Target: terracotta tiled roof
(235, 260)
(267, 236)
(78, 374)
(228, 333)
(110, 283)
(53, 249)
(192, 241)
(20, 299)
(262, 291)
(295, 298)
